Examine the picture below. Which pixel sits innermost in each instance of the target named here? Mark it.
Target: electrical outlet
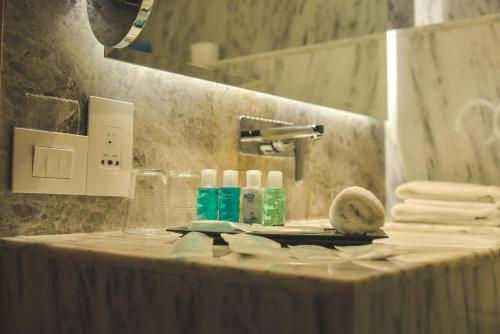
(110, 147)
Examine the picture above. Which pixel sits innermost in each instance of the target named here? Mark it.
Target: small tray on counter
(328, 238)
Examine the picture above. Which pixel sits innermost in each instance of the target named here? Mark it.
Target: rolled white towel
(356, 211)
(406, 212)
(448, 191)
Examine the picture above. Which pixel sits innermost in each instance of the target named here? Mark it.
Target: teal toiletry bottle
(252, 198)
(207, 204)
(274, 200)
(229, 197)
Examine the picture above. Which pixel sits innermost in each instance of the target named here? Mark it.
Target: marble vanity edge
(207, 270)
(214, 269)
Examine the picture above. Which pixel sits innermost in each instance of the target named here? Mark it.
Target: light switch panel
(110, 147)
(40, 157)
(52, 162)
(49, 162)
(60, 163)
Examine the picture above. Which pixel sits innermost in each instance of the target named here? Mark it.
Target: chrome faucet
(283, 133)
(260, 136)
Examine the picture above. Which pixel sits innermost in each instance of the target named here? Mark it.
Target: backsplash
(180, 123)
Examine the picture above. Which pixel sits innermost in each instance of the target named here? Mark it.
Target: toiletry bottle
(229, 197)
(252, 198)
(207, 203)
(274, 200)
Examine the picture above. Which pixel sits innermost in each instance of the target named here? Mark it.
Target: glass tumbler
(147, 208)
(182, 198)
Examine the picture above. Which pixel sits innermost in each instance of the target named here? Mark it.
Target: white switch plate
(52, 162)
(110, 131)
(53, 173)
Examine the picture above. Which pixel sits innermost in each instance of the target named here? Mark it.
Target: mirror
(117, 23)
(325, 52)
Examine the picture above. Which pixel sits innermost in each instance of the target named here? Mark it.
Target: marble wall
(438, 11)
(325, 52)
(348, 74)
(400, 13)
(444, 103)
(329, 53)
(48, 50)
(244, 28)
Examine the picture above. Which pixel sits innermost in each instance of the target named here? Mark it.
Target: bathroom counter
(112, 282)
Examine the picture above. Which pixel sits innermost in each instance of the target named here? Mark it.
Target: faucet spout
(283, 133)
(276, 138)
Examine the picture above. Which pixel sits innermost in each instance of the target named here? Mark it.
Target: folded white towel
(451, 191)
(495, 222)
(356, 211)
(434, 214)
(491, 209)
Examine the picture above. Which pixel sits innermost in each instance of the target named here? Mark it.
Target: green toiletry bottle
(229, 197)
(274, 200)
(207, 203)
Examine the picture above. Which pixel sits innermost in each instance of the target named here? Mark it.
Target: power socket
(110, 131)
(111, 147)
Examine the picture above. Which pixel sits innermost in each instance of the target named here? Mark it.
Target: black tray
(329, 238)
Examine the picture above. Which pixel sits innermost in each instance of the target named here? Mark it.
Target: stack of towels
(448, 203)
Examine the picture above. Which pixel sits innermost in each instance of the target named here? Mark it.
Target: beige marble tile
(180, 122)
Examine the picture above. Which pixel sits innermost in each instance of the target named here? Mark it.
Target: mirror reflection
(326, 52)
(117, 23)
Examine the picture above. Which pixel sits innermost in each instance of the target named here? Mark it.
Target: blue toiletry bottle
(229, 197)
(207, 200)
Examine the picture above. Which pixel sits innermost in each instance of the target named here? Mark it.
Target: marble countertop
(447, 282)
(425, 245)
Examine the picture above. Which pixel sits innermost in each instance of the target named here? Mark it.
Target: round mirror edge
(132, 33)
(139, 24)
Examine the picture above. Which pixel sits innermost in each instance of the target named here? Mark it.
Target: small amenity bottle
(207, 203)
(274, 200)
(229, 197)
(252, 198)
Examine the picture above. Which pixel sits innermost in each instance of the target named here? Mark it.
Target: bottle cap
(230, 179)
(254, 178)
(208, 178)
(275, 179)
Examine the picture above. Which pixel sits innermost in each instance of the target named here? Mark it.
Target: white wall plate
(49, 162)
(110, 131)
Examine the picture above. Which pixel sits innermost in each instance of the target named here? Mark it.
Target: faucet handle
(319, 131)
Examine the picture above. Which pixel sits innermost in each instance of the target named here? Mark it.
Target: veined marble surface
(438, 11)
(330, 53)
(401, 14)
(348, 74)
(112, 282)
(180, 123)
(444, 103)
(243, 28)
